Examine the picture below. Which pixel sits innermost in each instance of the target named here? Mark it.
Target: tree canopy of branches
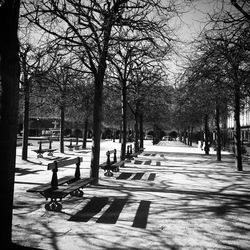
(90, 28)
(222, 63)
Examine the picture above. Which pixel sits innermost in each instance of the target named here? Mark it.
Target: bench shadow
(34, 162)
(69, 153)
(56, 158)
(25, 171)
(113, 210)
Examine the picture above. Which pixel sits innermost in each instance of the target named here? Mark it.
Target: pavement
(172, 196)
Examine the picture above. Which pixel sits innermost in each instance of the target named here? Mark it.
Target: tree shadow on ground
(181, 205)
(25, 171)
(216, 212)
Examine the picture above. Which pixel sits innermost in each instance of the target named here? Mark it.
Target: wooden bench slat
(64, 163)
(79, 183)
(40, 188)
(43, 141)
(118, 164)
(62, 191)
(65, 179)
(47, 186)
(40, 150)
(103, 164)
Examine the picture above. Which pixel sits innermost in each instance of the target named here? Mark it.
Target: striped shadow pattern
(111, 214)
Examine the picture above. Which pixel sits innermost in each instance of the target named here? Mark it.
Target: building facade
(244, 122)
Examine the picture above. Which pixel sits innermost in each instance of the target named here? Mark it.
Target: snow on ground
(172, 196)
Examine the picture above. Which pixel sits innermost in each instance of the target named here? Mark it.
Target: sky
(196, 17)
(191, 24)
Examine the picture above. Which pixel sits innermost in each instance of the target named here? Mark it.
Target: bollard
(127, 151)
(115, 159)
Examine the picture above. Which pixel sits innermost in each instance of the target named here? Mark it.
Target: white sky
(191, 24)
(197, 16)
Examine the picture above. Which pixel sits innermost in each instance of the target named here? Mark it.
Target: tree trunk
(113, 134)
(237, 129)
(185, 137)
(191, 136)
(206, 132)
(9, 75)
(124, 120)
(136, 143)
(218, 139)
(188, 136)
(98, 100)
(155, 135)
(26, 118)
(97, 119)
(141, 131)
(85, 134)
(120, 133)
(62, 117)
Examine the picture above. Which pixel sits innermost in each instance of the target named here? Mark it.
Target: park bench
(130, 154)
(111, 166)
(71, 146)
(57, 189)
(40, 151)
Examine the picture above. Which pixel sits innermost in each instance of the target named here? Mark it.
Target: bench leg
(53, 205)
(116, 169)
(77, 193)
(40, 155)
(108, 173)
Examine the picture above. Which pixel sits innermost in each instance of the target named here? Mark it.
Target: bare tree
(234, 55)
(83, 102)
(58, 84)
(131, 60)
(122, 65)
(227, 35)
(35, 62)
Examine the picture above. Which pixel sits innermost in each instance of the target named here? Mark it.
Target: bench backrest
(129, 149)
(73, 140)
(44, 141)
(111, 152)
(63, 163)
(58, 164)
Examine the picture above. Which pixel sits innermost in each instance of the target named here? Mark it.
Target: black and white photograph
(125, 124)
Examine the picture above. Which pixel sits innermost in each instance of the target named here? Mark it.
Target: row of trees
(66, 89)
(96, 45)
(71, 54)
(216, 79)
